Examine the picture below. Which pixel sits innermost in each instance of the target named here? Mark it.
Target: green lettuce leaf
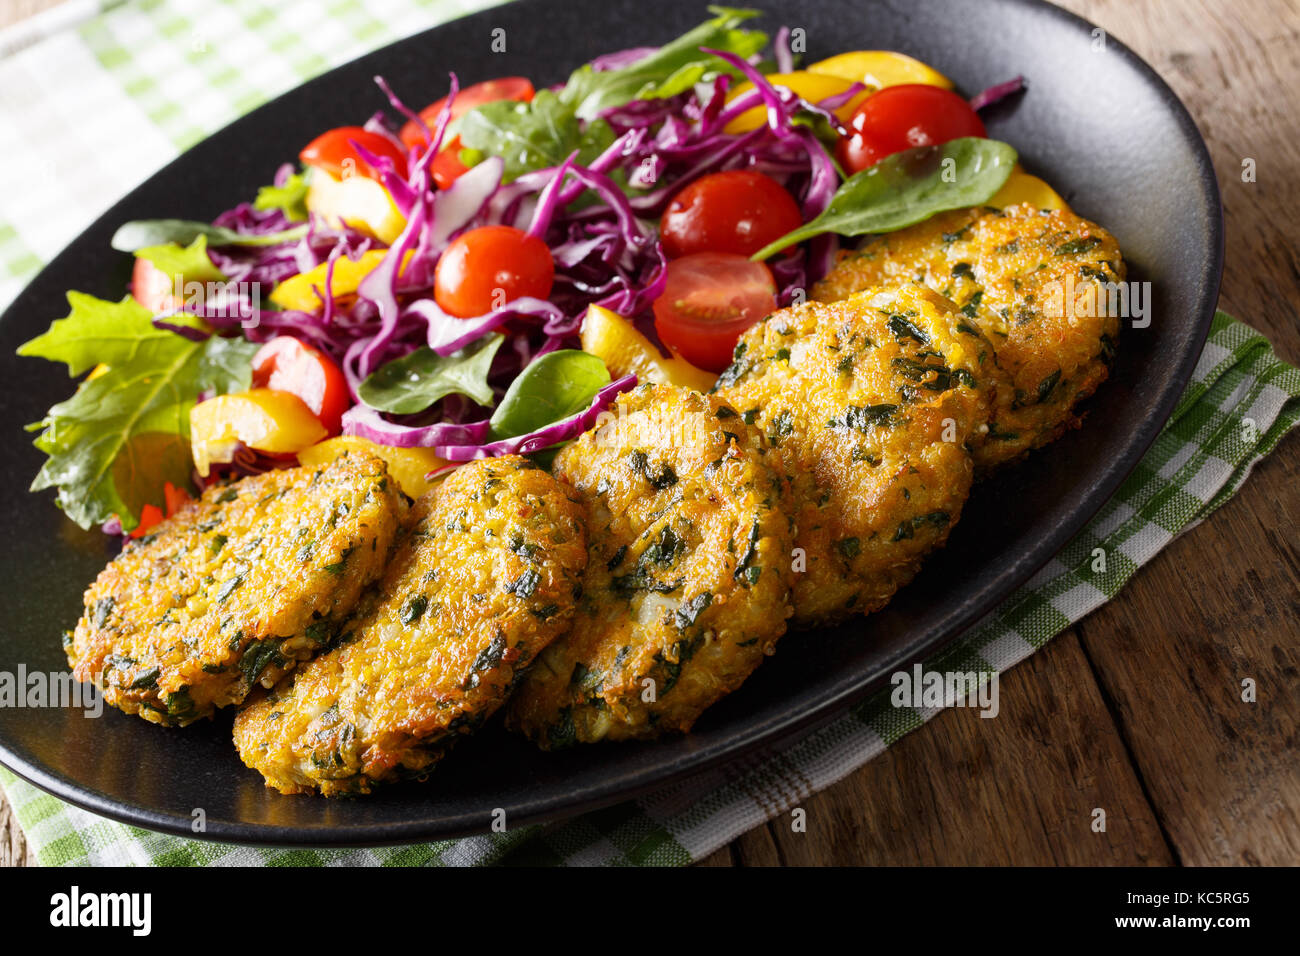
(190, 262)
(291, 197)
(125, 432)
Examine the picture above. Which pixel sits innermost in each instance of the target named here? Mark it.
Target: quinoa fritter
(235, 588)
(688, 582)
(1034, 282)
(877, 401)
(485, 577)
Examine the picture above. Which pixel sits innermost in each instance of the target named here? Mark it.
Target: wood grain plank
(1016, 789)
(1223, 603)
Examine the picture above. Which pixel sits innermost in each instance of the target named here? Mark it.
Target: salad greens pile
(125, 431)
(587, 167)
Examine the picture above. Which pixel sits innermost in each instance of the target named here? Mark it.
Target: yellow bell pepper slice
(617, 343)
(299, 292)
(1021, 187)
(879, 69)
(356, 200)
(408, 466)
(813, 87)
(261, 418)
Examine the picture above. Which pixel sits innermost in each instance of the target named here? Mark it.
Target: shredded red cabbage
(999, 91)
(605, 247)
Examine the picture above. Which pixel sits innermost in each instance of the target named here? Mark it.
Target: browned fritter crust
(485, 577)
(235, 588)
(877, 401)
(1034, 282)
(688, 583)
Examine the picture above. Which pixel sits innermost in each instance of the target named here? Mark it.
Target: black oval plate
(1099, 125)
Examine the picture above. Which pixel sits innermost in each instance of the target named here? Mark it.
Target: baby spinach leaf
(551, 388)
(671, 69)
(544, 132)
(909, 187)
(533, 135)
(140, 233)
(413, 382)
(226, 365)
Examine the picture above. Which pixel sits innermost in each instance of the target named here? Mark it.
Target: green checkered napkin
(171, 74)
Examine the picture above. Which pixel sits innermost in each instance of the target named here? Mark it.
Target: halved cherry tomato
(740, 212)
(153, 288)
(711, 298)
(288, 365)
(489, 91)
(902, 117)
(446, 167)
(489, 266)
(334, 153)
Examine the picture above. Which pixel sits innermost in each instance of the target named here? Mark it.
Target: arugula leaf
(124, 432)
(909, 187)
(414, 382)
(551, 388)
(291, 198)
(672, 69)
(532, 135)
(139, 233)
(190, 262)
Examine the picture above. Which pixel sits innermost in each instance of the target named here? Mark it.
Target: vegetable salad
(482, 277)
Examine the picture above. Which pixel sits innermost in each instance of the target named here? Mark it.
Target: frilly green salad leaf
(291, 197)
(141, 233)
(190, 262)
(909, 187)
(123, 433)
(413, 382)
(552, 388)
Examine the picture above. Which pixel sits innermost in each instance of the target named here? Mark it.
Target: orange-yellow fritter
(1037, 283)
(484, 578)
(236, 588)
(688, 582)
(876, 401)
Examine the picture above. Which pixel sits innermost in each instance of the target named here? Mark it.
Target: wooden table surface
(1136, 710)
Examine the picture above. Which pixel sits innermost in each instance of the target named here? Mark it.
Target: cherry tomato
(902, 117)
(288, 365)
(446, 167)
(711, 298)
(505, 88)
(739, 212)
(489, 266)
(334, 153)
(153, 288)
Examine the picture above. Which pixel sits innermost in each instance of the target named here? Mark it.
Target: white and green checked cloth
(97, 95)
